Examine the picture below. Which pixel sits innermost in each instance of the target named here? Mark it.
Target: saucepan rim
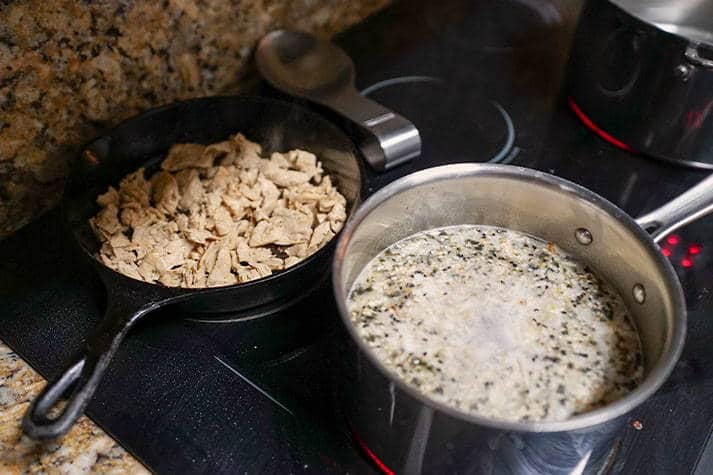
(632, 14)
(672, 346)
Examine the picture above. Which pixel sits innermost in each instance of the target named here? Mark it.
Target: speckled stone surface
(85, 449)
(71, 69)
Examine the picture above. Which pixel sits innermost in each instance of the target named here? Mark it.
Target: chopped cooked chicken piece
(292, 260)
(111, 197)
(247, 153)
(208, 174)
(249, 176)
(250, 192)
(243, 227)
(263, 255)
(119, 240)
(337, 216)
(106, 220)
(250, 163)
(262, 234)
(134, 189)
(247, 273)
(245, 147)
(282, 177)
(218, 215)
(220, 274)
(147, 269)
(134, 215)
(118, 253)
(280, 160)
(129, 269)
(298, 250)
(186, 155)
(221, 151)
(262, 269)
(165, 192)
(197, 220)
(170, 278)
(243, 251)
(305, 194)
(193, 193)
(211, 202)
(270, 195)
(305, 162)
(326, 204)
(199, 236)
(237, 206)
(286, 227)
(184, 178)
(223, 221)
(321, 235)
(221, 179)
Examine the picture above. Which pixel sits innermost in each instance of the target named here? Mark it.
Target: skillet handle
(686, 208)
(83, 375)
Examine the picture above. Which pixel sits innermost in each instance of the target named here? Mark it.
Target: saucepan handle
(688, 207)
(82, 376)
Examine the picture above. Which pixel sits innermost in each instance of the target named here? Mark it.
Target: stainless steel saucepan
(642, 70)
(411, 433)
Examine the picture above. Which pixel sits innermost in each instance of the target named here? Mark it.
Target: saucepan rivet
(584, 237)
(683, 72)
(639, 293)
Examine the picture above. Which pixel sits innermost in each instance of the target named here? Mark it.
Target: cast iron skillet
(143, 141)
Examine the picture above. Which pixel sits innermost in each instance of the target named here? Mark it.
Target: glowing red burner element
(686, 262)
(666, 252)
(594, 128)
(694, 249)
(371, 455)
(673, 239)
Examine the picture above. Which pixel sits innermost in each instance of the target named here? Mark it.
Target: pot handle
(686, 208)
(84, 374)
(693, 55)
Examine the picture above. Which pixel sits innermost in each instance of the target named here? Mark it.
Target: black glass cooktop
(484, 82)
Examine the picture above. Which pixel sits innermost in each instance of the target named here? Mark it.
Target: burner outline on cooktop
(505, 155)
(398, 80)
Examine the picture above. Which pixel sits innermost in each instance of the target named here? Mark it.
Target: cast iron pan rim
(187, 291)
(654, 379)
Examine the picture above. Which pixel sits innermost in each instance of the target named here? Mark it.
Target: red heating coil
(371, 455)
(594, 128)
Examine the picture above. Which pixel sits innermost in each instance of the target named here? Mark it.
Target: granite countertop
(85, 449)
(71, 69)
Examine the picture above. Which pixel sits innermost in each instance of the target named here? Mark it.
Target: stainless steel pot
(413, 434)
(642, 71)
